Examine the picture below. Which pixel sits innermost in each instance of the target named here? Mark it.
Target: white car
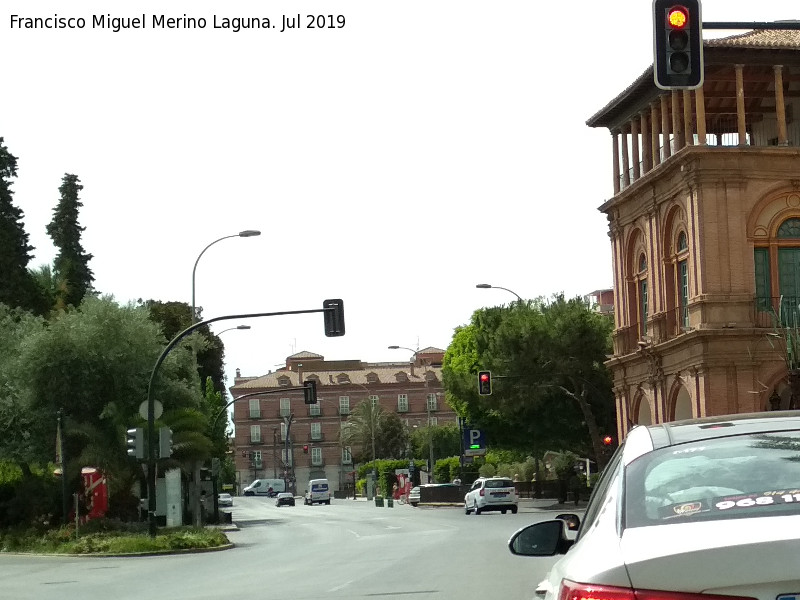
(224, 499)
(491, 493)
(683, 510)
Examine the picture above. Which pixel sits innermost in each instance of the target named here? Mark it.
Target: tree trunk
(594, 433)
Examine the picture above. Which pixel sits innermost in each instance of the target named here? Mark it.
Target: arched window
(642, 294)
(683, 243)
(789, 229)
(682, 282)
(784, 298)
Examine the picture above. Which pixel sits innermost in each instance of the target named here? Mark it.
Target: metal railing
(774, 312)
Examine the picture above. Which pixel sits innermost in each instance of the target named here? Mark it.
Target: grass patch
(109, 537)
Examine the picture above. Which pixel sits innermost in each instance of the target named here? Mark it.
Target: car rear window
(499, 483)
(723, 478)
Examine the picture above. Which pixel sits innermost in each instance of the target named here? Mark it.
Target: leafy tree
(22, 424)
(71, 263)
(550, 387)
(446, 441)
(17, 287)
(393, 439)
(175, 317)
(95, 363)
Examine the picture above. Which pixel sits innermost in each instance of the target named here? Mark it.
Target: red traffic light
(484, 383)
(607, 440)
(678, 17)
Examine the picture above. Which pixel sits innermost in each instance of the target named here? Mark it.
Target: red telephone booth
(95, 491)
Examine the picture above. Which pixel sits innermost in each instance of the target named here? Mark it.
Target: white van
(317, 492)
(261, 487)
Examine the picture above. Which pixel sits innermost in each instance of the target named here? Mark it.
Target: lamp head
(243, 327)
(484, 286)
(249, 233)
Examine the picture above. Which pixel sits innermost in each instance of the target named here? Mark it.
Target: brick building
(705, 233)
(411, 389)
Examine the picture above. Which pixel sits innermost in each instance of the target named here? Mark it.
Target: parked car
(224, 499)
(491, 493)
(682, 510)
(413, 496)
(284, 499)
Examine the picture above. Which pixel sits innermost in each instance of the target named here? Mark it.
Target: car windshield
(723, 478)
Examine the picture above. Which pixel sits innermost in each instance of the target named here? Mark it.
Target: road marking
(339, 587)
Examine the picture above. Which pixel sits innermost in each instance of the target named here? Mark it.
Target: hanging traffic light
(484, 383)
(333, 314)
(135, 442)
(164, 442)
(310, 391)
(678, 50)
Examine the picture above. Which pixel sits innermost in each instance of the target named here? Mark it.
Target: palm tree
(363, 429)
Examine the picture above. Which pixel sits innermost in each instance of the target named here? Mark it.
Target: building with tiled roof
(704, 224)
(262, 448)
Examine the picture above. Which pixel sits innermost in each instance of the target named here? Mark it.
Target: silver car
(683, 510)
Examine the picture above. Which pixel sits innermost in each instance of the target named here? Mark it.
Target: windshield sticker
(763, 499)
(683, 509)
(688, 508)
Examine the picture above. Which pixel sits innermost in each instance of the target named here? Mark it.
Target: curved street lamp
(232, 328)
(244, 234)
(486, 286)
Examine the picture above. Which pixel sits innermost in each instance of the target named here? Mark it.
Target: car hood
(749, 557)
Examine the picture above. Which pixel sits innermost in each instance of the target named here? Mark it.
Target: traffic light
(164, 442)
(310, 391)
(334, 317)
(484, 383)
(135, 442)
(678, 51)
(305, 448)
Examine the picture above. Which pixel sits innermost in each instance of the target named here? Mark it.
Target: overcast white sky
(396, 162)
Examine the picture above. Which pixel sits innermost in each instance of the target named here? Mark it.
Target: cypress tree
(71, 265)
(18, 288)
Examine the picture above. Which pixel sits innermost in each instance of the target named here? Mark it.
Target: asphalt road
(350, 549)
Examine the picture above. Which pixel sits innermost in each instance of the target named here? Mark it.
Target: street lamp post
(245, 233)
(486, 286)
(215, 476)
(427, 409)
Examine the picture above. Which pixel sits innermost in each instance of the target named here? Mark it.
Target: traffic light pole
(334, 326)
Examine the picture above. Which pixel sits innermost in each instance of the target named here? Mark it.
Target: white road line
(339, 587)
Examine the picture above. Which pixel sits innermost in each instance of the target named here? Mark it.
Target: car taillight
(586, 591)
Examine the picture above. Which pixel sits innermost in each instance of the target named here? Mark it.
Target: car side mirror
(546, 538)
(572, 520)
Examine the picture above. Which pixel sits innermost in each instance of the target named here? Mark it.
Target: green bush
(109, 537)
